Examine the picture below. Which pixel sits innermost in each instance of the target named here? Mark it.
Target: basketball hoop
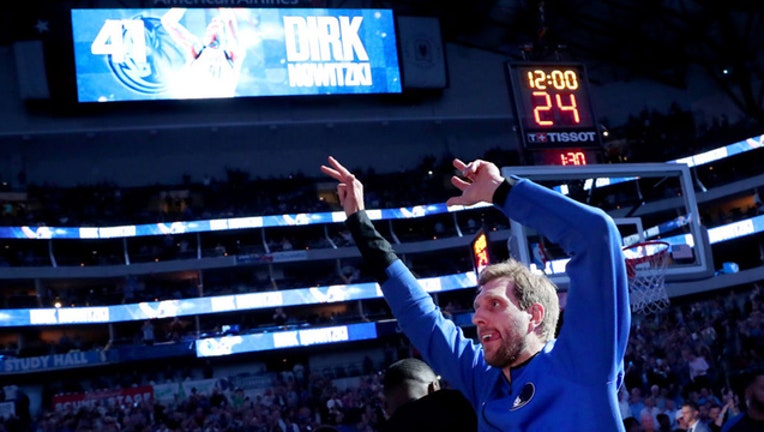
(646, 267)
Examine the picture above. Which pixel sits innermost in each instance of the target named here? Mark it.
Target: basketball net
(646, 267)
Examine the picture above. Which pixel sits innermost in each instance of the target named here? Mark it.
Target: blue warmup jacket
(572, 384)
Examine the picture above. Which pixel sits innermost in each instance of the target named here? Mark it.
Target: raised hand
(482, 179)
(349, 189)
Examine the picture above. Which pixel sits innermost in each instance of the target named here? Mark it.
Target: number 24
(547, 106)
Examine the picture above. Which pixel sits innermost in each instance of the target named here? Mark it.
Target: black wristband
(377, 252)
(501, 193)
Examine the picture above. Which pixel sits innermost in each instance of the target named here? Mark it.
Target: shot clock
(554, 113)
(480, 253)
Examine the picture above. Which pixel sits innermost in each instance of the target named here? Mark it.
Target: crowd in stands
(690, 352)
(650, 136)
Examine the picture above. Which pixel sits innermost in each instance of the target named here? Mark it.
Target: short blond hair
(528, 288)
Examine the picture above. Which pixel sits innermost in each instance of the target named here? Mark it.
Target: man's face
(703, 412)
(501, 326)
(713, 412)
(689, 415)
(636, 394)
(212, 34)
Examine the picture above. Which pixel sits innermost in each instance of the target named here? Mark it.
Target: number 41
(118, 38)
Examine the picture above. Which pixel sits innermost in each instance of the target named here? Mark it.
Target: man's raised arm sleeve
(377, 252)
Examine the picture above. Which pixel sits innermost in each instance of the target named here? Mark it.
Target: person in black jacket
(414, 401)
(752, 419)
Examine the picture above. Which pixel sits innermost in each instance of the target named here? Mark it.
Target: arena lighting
(719, 234)
(299, 219)
(706, 157)
(216, 304)
(58, 315)
(294, 297)
(237, 344)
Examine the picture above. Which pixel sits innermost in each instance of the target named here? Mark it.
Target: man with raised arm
(213, 61)
(519, 377)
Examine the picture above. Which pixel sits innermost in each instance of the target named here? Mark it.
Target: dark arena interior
(173, 259)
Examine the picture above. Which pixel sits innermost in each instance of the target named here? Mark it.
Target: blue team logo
(148, 58)
(525, 396)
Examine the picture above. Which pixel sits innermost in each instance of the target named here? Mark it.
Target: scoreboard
(554, 113)
(221, 53)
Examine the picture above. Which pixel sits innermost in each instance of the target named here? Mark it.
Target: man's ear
(537, 313)
(433, 387)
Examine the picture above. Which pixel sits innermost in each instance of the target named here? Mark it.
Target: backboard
(653, 201)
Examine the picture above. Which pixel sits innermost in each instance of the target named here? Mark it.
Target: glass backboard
(648, 202)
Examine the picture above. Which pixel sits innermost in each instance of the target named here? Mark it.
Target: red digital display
(552, 105)
(480, 251)
(565, 157)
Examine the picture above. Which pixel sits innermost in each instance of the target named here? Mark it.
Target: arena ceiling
(619, 40)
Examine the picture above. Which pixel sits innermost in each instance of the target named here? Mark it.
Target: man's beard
(506, 354)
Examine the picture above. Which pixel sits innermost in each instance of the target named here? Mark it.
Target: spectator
(348, 273)
(670, 410)
(148, 332)
(729, 410)
(650, 410)
(220, 250)
(636, 403)
(715, 418)
(623, 402)
(664, 423)
(698, 367)
(631, 424)
(691, 416)
(279, 317)
(752, 420)
(334, 407)
(414, 401)
(647, 422)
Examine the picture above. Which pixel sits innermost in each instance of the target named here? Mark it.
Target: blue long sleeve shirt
(572, 384)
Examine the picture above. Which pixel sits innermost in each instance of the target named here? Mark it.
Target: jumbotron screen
(214, 53)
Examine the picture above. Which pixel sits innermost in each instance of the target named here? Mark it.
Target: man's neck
(521, 361)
